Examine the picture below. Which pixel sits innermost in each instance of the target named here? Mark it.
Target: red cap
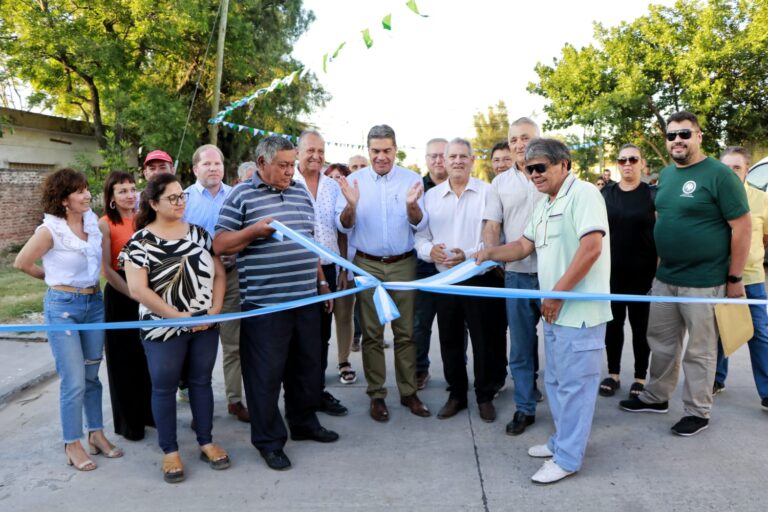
(158, 154)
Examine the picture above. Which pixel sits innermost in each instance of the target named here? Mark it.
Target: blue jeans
(77, 355)
(523, 316)
(758, 345)
(572, 378)
(165, 360)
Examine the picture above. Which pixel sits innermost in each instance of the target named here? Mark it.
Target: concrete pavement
(633, 461)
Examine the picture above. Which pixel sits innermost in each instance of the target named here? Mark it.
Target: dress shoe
(320, 434)
(451, 408)
(519, 422)
(416, 406)
(379, 410)
(239, 410)
(331, 405)
(277, 460)
(487, 412)
(421, 380)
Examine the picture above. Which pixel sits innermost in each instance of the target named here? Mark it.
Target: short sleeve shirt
(179, 271)
(510, 201)
(556, 229)
(272, 271)
(754, 272)
(693, 237)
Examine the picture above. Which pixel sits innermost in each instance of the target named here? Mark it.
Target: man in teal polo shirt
(569, 232)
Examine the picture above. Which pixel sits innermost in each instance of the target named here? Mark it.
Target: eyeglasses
(684, 134)
(435, 156)
(631, 159)
(177, 199)
(539, 168)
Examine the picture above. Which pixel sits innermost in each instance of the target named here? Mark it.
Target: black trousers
(281, 348)
(326, 319)
(614, 335)
(486, 319)
(130, 388)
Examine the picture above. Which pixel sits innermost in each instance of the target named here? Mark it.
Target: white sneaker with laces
(540, 450)
(550, 473)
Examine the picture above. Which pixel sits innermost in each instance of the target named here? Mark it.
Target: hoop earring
(111, 205)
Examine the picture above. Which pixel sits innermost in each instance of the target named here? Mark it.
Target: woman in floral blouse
(172, 272)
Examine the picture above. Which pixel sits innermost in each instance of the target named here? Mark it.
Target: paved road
(633, 462)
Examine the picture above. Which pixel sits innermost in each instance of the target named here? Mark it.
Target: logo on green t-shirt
(688, 188)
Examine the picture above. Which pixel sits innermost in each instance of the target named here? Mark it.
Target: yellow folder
(734, 321)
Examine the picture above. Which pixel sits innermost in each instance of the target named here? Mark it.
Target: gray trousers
(668, 323)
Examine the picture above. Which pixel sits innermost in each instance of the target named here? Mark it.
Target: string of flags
(279, 83)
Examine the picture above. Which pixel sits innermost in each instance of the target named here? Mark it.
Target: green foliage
(132, 65)
(489, 130)
(704, 57)
(400, 156)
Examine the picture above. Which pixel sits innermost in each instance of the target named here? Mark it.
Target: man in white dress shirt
(453, 234)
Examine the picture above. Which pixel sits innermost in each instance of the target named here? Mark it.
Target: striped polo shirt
(272, 271)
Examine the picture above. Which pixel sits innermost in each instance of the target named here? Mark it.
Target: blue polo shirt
(272, 271)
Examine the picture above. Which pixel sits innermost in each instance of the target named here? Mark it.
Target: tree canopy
(130, 66)
(489, 130)
(708, 58)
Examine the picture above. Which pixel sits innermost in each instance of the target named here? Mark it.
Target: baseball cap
(158, 154)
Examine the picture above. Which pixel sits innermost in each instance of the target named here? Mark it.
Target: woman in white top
(69, 243)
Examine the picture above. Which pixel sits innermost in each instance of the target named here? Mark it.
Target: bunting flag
(411, 4)
(386, 22)
(367, 38)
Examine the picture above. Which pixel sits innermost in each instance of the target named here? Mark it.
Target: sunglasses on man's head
(539, 168)
(631, 159)
(684, 134)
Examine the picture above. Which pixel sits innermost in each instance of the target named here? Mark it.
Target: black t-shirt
(631, 218)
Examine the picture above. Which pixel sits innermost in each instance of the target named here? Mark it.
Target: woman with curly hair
(69, 243)
(173, 273)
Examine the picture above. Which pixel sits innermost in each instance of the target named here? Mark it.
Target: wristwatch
(734, 279)
(322, 283)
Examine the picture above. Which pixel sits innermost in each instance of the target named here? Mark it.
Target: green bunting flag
(336, 53)
(367, 38)
(325, 63)
(411, 4)
(386, 22)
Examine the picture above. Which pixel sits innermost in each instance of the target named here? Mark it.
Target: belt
(384, 259)
(71, 289)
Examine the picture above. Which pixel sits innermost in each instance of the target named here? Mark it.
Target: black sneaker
(690, 425)
(331, 405)
(764, 404)
(634, 404)
(718, 388)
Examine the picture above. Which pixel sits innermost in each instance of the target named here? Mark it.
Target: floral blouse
(179, 271)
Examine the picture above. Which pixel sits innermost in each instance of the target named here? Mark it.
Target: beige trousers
(230, 341)
(667, 325)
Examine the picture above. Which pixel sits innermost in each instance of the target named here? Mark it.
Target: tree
(129, 67)
(706, 58)
(488, 131)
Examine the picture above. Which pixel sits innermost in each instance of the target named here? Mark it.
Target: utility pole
(213, 129)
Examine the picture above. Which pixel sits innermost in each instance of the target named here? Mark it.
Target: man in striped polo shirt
(282, 347)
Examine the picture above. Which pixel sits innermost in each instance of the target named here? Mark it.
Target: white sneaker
(550, 473)
(540, 450)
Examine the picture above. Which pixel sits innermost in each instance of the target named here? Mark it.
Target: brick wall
(20, 203)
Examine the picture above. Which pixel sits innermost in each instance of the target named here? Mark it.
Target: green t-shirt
(693, 238)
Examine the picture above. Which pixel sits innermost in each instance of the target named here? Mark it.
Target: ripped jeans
(77, 355)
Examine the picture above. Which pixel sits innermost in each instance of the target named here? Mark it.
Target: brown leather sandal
(215, 456)
(173, 469)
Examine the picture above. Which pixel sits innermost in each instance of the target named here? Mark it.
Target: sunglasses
(539, 168)
(684, 134)
(631, 159)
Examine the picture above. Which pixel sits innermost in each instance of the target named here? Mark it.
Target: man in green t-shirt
(702, 235)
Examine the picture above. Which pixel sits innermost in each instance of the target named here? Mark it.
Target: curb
(27, 381)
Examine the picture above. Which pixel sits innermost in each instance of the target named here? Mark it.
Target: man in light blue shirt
(381, 209)
(569, 232)
(205, 198)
